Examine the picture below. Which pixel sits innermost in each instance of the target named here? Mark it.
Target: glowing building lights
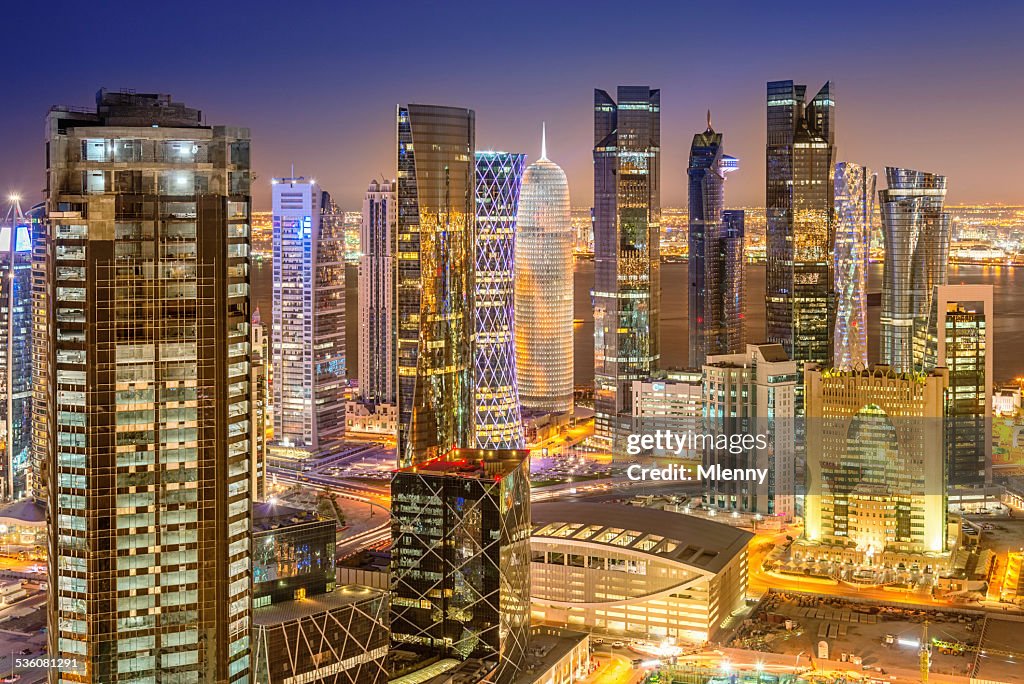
(855, 205)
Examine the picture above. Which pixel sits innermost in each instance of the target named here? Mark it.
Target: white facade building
(376, 295)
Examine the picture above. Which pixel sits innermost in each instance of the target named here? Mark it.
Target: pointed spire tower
(543, 290)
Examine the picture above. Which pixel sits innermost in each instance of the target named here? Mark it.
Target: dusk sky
(931, 85)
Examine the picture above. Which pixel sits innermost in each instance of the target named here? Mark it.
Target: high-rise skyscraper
(309, 315)
(855, 206)
(715, 328)
(627, 252)
(917, 235)
(499, 424)
(435, 286)
(754, 392)
(876, 480)
(460, 558)
(544, 288)
(37, 479)
(261, 407)
(960, 331)
(148, 467)
(15, 350)
(799, 205)
(376, 295)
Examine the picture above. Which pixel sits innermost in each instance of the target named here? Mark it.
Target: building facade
(627, 252)
(436, 253)
(262, 406)
(499, 424)
(148, 467)
(855, 207)
(754, 393)
(544, 289)
(15, 351)
(916, 233)
(309, 316)
(875, 466)
(960, 339)
(460, 580)
(674, 402)
(377, 294)
(633, 571)
(715, 287)
(800, 152)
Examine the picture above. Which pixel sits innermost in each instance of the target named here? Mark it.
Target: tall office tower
(917, 234)
(460, 570)
(709, 299)
(799, 205)
(42, 371)
(960, 340)
(754, 393)
(15, 350)
(543, 288)
(435, 284)
(855, 205)
(627, 252)
(731, 243)
(376, 295)
(499, 177)
(309, 316)
(877, 490)
(261, 407)
(149, 499)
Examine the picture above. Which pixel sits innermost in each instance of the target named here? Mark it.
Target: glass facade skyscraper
(499, 177)
(149, 427)
(917, 234)
(855, 207)
(436, 253)
(627, 252)
(460, 558)
(15, 350)
(715, 287)
(309, 315)
(544, 289)
(800, 151)
(377, 295)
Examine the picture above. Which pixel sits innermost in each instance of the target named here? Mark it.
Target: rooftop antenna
(543, 140)
(292, 178)
(709, 120)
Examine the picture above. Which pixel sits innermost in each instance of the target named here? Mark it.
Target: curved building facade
(641, 572)
(916, 231)
(544, 289)
(499, 177)
(855, 205)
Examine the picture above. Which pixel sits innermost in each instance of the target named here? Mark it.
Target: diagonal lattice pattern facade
(460, 569)
(499, 177)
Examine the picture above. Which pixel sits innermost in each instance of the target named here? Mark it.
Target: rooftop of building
(696, 542)
(289, 611)
(132, 109)
(267, 516)
(471, 463)
(24, 513)
(548, 645)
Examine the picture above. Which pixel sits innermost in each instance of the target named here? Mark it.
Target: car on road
(618, 644)
(10, 679)
(25, 651)
(596, 640)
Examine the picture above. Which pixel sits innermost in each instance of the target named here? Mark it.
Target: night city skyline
(913, 82)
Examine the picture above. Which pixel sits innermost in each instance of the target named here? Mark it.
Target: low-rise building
(376, 420)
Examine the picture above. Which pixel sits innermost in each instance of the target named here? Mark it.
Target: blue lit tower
(855, 205)
(15, 349)
(712, 294)
(499, 177)
(627, 252)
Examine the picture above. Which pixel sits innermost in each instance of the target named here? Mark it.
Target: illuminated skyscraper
(876, 477)
(261, 407)
(149, 432)
(309, 315)
(855, 205)
(377, 295)
(799, 205)
(435, 288)
(499, 425)
(917, 235)
(15, 350)
(544, 289)
(716, 285)
(627, 252)
(960, 340)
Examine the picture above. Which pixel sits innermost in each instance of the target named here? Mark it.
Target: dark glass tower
(799, 207)
(715, 283)
(627, 253)
(436, 252)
